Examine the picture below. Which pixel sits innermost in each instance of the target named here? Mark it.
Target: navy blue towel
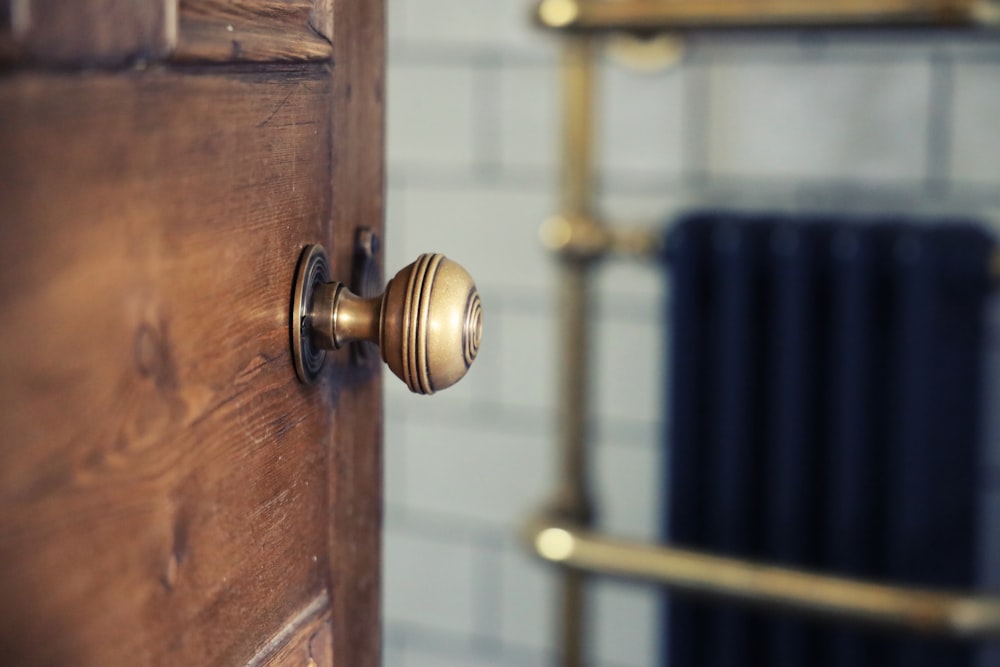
(824, 413)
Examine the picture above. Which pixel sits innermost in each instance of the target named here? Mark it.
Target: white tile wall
(640, 129)
(527, 377)
(628, 468)
(490, 228)
(430, 116)
(864, 122)
(625, 624)
(445, 23)
(472, 475)
(529, 126)
(528, 600)
(628, 364)
(788, 120)
(975, 153)
(429, 582)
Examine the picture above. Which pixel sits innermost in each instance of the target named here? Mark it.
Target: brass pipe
(767, 586)
(578, 83)
(573, 495)
(579, 237)
(646, 15)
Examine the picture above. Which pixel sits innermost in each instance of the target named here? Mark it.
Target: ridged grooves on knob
(472, 333)
(416, 370)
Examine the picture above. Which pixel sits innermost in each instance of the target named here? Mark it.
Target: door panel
(169, 492)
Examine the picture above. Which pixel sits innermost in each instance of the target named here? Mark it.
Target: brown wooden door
(170, 494)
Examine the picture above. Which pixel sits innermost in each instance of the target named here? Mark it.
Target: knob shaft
(427, 323)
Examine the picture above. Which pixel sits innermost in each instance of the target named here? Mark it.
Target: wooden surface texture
(248, 30)
(356, 483)
(111, 33)
(94, 31)
(165, 481)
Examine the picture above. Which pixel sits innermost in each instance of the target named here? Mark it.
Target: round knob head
(431, 323)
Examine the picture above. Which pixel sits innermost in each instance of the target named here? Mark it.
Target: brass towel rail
(579, 238)
(914, 610)
(654, 15)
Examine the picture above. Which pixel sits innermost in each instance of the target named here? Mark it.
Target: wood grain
(91, 31)
(164, 478)
(248, 31)
(357, 187)
(321, 18)
(112, 33)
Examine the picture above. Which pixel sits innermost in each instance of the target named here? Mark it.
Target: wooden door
(170, 494)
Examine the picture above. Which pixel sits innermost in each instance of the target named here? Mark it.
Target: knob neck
(338, 316)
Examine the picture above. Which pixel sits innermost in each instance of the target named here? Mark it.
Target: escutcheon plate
(313, 270)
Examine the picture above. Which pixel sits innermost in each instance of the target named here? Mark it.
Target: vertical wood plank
(356, 478)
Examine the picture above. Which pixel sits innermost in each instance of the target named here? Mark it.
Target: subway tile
(639, 122)
(520, 36)
(419, 656)
(395, 229)
(625, 624)
(424, 657)
(628, 479)
(492, 231)
(450, 23)
(393, 656)
(528, 601)
(527, 373)
(855, 122)
(978, 46)
(394, 459)
(395, 12)
(975, 142)
(628, 368)
(850, 47)
(428, 583)
(638, 283)
(529, 127)
(467, 473)
(431, 119)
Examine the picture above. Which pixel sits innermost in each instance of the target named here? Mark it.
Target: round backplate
(313, 270)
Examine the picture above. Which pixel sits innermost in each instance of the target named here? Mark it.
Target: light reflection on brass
(584, 238)
(645, 53)
(775, 588)
(688, 14)
(428, 323)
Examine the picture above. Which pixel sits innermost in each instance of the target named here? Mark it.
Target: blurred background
(873, 121)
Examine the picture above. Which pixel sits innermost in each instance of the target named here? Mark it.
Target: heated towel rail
(561, 532)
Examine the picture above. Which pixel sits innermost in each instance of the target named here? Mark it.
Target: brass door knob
(427, 323)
